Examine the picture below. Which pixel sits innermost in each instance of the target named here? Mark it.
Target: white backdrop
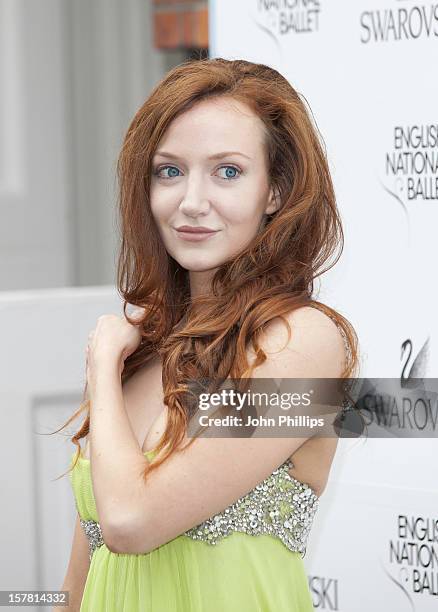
(368, 71)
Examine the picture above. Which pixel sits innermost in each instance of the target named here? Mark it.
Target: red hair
(207, 337)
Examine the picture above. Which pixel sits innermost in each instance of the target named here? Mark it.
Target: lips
(195, 230)
(195, 234)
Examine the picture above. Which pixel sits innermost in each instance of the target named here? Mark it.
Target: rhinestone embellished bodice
(280, 506)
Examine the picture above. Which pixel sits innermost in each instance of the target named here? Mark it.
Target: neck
(200, 283)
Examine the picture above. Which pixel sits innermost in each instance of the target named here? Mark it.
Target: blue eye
(157, 172)
(173, 170)
(233, 168)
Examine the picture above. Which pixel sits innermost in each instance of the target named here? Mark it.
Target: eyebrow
(215, 156)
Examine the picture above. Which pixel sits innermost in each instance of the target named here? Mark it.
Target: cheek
(244, 211)
(160, 206)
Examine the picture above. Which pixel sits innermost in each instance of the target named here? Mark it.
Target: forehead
(216, 124)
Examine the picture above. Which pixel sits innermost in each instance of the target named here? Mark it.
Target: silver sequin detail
(93, 533)
(280, 506)
(344, 338)
(346, 402)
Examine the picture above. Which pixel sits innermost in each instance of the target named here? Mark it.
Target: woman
(227, 215)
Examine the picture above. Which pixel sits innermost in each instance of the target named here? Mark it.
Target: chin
(199, 264)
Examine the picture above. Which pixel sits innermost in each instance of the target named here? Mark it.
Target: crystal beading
(94, 534)
(280, 506)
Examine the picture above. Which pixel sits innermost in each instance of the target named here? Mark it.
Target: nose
(194, 201)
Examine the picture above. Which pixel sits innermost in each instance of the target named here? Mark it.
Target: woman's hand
(111, 342)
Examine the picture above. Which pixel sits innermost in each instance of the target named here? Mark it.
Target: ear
(273, 201)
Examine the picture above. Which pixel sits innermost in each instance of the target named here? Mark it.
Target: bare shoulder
(317, 324)
(316, 343)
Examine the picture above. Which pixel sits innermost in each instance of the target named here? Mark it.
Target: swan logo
(414, 367)
(276, 18)
(400, 22)
(412, 563)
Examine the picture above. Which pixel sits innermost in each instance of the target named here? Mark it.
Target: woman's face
(210, 170)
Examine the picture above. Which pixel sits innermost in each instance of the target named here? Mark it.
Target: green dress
(247, 558)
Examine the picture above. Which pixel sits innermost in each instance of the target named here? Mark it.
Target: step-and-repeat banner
(369, 73)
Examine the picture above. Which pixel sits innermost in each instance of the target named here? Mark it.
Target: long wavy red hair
(208, 336)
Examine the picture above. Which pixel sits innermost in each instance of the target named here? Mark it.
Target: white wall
(42, 375)
(72, 75)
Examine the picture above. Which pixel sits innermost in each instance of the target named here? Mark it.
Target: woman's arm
(137, 516)
(77, 570)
